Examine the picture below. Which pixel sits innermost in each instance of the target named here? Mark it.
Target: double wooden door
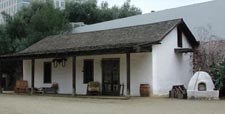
(111, 77)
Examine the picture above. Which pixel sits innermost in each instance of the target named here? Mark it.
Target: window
(62, 4)
(57, 3)
(88, 70)
(47, 72)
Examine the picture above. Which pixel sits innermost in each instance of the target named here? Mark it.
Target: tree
(31, 24)
(89, 13)
(127, 10)
(4, 47)
(11, 33)
(47, 21)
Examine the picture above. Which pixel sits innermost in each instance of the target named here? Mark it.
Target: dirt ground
(23, 104)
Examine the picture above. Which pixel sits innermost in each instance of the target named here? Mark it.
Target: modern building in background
(13, 6)
(77, 0)
(59, 4)
(205, 20)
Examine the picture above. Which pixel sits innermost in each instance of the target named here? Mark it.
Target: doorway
(111, 77)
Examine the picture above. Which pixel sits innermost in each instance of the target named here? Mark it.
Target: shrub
(218, 73)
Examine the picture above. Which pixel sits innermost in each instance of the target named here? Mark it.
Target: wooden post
(74, 75)
(0, 76)
(128, 73)
(32, 75)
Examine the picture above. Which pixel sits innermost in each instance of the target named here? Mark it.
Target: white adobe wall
(82, 88)
(61, 75)
(170, 68)
(141, 72)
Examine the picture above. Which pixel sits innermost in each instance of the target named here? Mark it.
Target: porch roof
(115, 40)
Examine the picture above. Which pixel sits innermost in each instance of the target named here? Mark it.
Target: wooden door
(111, 77)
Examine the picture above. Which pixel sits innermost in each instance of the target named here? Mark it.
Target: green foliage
(218, 73)
(48, 20)
(89, 13)
(128, 10)
(10, 34)
(3, 40)
(31, 24)
(38, 20)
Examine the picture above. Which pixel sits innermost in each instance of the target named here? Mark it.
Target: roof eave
(187, 32)
(131, 49)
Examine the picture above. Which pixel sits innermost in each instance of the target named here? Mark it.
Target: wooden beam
(190, 37)
(32, 75)
(0, 76)
(179, 37)
(183, 50)
(128, 73)
(74, 75)
(144, 48)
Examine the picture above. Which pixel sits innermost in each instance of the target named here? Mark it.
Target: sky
(149, 5)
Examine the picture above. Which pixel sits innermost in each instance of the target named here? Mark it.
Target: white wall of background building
(205, 20)
(11, 6)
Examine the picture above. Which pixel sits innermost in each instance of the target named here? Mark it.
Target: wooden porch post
(32, 75)
(128, 73)
(74, 75)
(0, 77)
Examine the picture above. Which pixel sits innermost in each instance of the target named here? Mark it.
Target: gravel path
(21, 104)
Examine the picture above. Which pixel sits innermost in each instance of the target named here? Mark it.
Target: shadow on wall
(12, 71)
